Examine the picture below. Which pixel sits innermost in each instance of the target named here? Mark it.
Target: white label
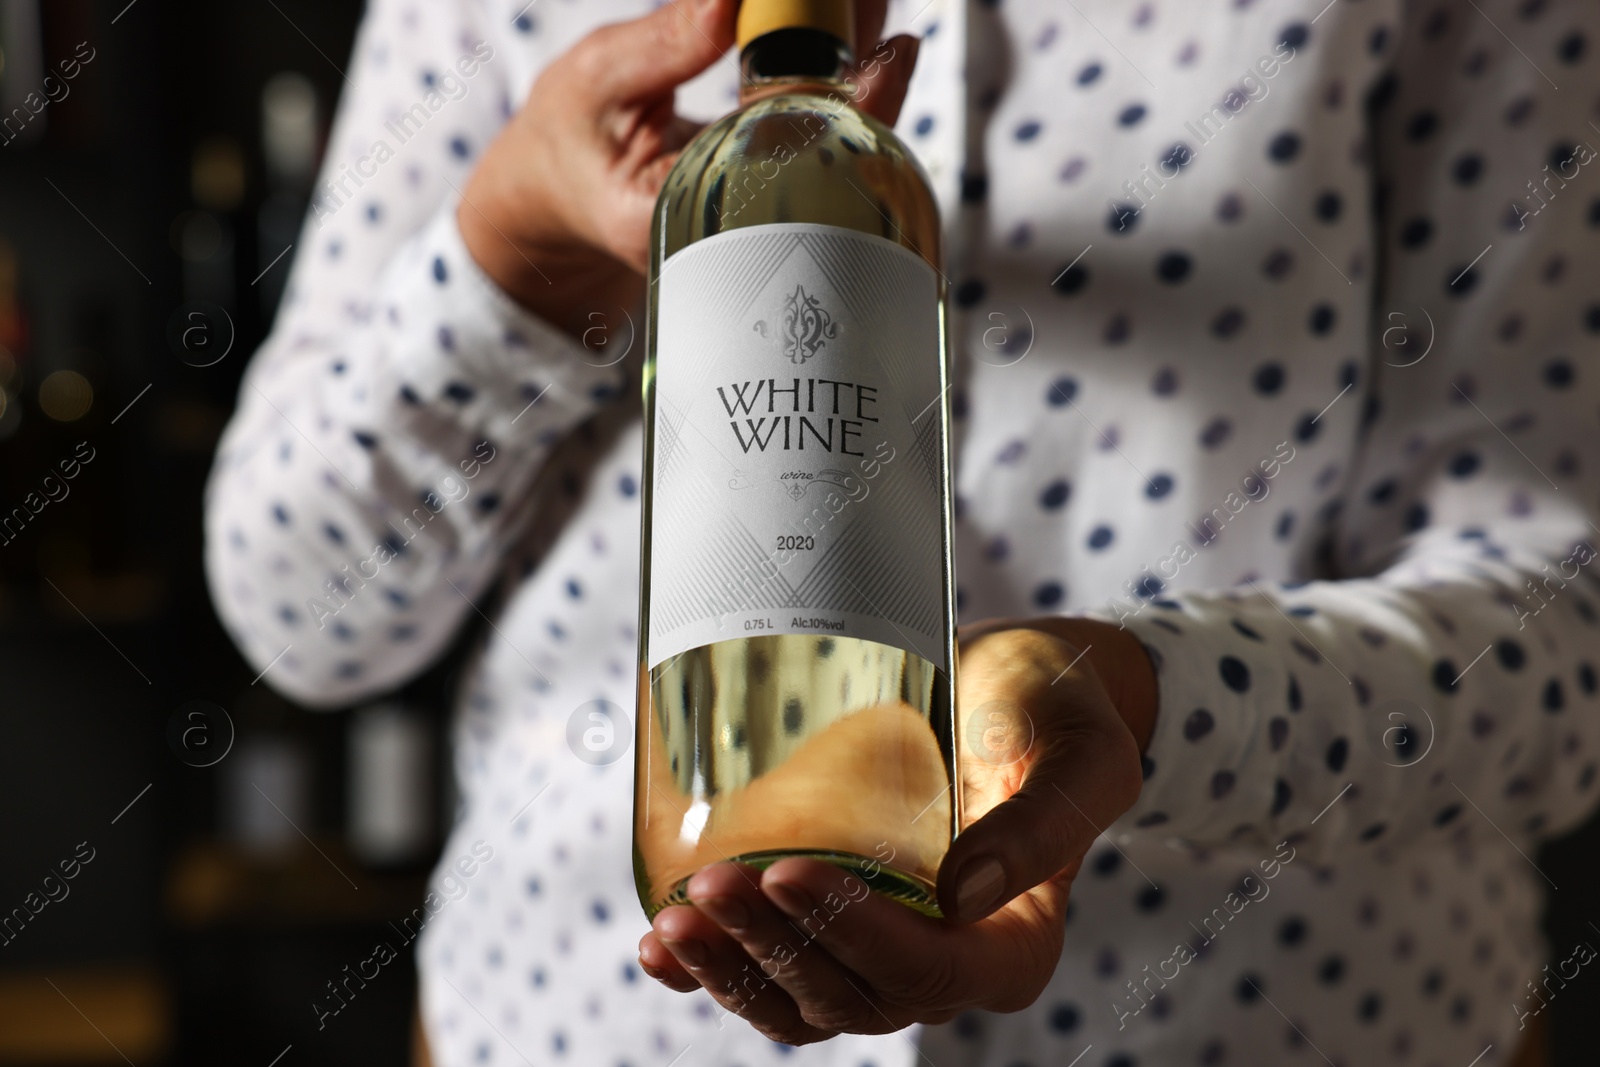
(799, 443)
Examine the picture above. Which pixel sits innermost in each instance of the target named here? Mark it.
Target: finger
(654, 152)
(883, 77)
(782, 948)
(659, 52)
(917, 967)
(869, 21)
(726, 971)
(1080, 774)
(657, 961)
(677, 133)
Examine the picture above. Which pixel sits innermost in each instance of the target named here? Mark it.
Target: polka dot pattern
(1231, 282)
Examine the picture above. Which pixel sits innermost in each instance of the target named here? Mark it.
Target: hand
(558, 211)
(803, 952)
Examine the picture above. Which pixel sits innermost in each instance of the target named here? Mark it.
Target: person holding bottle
(1277, 537)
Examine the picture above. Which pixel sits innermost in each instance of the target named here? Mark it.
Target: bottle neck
(796, 60)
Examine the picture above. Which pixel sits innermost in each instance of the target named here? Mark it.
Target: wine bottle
(796, 692)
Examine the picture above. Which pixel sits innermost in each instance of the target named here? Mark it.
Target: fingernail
(654, 972)
(979, 886)
(729, 913)
(693, 953)
(790, 897)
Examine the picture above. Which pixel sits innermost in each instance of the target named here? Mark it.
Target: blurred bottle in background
(204, 236)
(389, 779)
(13, 340)
(267, 799)
(21, 69)
(291, 135)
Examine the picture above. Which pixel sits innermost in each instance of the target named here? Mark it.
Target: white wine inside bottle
(796, 639)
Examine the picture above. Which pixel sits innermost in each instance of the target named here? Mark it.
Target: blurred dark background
(145, 210)
(244, 851)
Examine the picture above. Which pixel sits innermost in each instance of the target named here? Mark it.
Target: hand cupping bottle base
(796, 691)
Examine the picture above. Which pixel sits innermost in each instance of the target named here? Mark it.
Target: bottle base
(915, 893)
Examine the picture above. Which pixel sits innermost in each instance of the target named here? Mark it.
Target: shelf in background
(212, 884)
(84, 1015)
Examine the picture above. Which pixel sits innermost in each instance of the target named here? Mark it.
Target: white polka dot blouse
(1276, 338)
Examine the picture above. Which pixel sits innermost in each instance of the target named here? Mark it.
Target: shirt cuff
(505, 373)
(1200, 780)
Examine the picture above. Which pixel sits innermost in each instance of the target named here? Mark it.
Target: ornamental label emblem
(807, 326)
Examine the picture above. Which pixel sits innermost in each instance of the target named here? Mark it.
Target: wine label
(799, 443)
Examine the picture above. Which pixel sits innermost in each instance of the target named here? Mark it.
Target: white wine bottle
(796, 691)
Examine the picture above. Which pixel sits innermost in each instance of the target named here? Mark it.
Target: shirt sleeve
(387, 435)
(1442, 681)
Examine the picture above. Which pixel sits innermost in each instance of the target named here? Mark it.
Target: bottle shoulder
(798, 157)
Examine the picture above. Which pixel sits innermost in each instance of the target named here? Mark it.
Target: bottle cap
(757, 17)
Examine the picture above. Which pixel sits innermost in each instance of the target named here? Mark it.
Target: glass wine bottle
(796, 692)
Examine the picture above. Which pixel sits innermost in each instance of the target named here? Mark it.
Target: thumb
(1045, 807)
(655, 54)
